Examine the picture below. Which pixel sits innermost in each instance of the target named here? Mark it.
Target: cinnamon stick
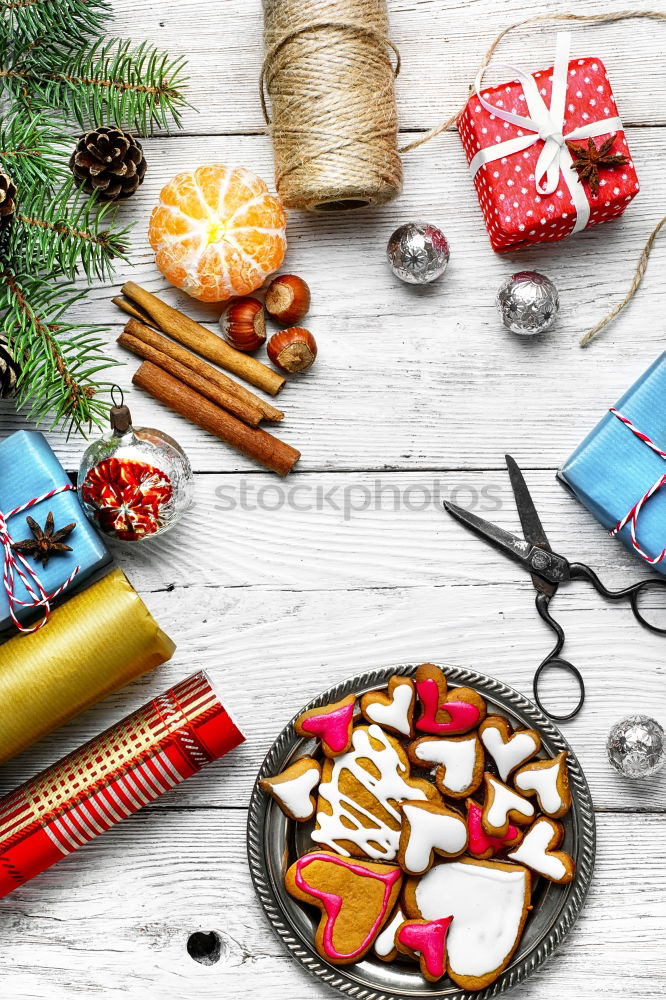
(132, 310)
(249, 414)
(251, 441)
(167, 347)
(195, 336)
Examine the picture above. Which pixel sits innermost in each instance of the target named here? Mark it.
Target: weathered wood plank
(269, 651)
(115, 918)
(424, 377)
(441, 47)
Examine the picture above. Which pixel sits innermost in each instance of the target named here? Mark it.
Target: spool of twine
(329, 74)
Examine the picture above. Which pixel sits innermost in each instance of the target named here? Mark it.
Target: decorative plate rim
(576, 891)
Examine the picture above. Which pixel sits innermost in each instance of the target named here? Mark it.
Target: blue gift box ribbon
(613, 469)
(28, 470)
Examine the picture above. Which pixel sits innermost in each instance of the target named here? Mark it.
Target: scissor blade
(530, 520)
(511, 545)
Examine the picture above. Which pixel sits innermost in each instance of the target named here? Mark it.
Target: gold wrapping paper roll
(98, 641)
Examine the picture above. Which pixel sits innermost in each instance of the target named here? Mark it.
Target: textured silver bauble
(418, 253)
(528, 303)
(637, 746)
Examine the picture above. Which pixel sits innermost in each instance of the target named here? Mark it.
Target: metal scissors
(548, 571)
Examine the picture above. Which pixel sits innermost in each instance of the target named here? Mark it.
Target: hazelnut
(243, 324)
(292, 350)
(287, 299)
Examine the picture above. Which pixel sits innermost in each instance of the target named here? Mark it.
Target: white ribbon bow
(545, 124)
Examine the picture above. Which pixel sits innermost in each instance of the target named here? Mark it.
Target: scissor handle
(557, 662)
(632, 594)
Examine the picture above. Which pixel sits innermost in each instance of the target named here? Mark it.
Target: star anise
(588, 160)
(46, 542)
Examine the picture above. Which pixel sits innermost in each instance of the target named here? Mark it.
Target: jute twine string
(329, 75)
(330, 79)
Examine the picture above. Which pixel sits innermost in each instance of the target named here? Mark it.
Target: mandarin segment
(217, 232)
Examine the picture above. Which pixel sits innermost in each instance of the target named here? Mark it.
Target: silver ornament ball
(636, 746)
(528, 303)
(418, 253)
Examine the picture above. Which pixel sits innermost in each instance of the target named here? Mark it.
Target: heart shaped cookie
(355, 899)
(481, 845)
(394, 709)
(549, 781)
(332, 724)
(429, 828)
(489, 902)
(508, 749)
(425, 940)
(358, 806)
(502, 804)
(459, 762)
(292, 788)
(444, 712)
(539, 852)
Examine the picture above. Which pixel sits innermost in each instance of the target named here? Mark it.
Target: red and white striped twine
(633, 515)
(15, 564)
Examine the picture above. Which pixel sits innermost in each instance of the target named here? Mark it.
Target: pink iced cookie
(425, 940)
(332, 724)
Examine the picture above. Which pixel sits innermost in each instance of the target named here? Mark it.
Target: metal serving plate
(274, 842)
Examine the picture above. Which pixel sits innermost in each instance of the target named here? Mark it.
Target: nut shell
(243, 324)
(287, 299)
(293, 350)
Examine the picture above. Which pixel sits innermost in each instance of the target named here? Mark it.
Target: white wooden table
(417, 393)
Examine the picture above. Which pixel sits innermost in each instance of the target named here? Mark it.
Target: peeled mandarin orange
(217, 232)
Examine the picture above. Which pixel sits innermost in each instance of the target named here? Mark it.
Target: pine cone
(7, 198)
(9, 370)
(108, 161)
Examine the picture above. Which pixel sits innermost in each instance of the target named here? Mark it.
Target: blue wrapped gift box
(613, 469)
(29, 469)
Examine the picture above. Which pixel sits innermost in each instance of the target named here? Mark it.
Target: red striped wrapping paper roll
(112, 777)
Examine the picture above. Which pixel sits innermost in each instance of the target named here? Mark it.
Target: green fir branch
(110, 82)
(32, 152)
(60, 360)
(69, 22)
(66, 231)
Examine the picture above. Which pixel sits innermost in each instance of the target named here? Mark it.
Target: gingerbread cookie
(501, 805)
(359, 796)
(355, 899)
(429, 828)
(392, 709)
(539, 852)
(507, 748)
(385, 947)
(481, 845)
(549, 781)
(292, 788)
(459, 760)
(444, 712)
(332, 724)
(489, 902)
(425, 941)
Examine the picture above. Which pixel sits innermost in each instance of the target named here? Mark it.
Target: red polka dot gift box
(538, 152)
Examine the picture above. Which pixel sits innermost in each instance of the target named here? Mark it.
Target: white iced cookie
(538, 851)
(292, 788)
(501, 806)
(393, 709)
(488, 901)
(549, 781)
(508, 750)
(459, 762)
(429, 828)
(384, 945)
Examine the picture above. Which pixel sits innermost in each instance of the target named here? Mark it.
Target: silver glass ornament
(528, 303)
(418, 253)
(636, 746)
